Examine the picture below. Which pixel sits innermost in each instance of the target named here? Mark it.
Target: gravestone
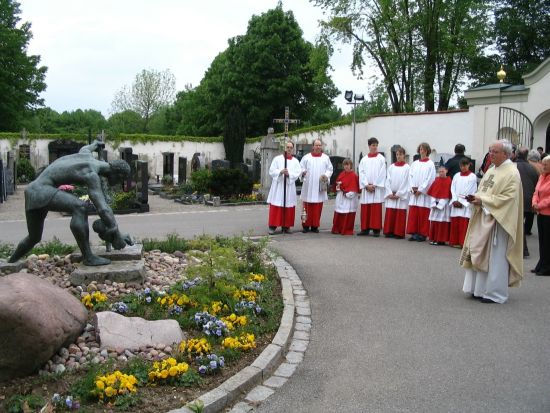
(337, 167)
(182, 170)
(62, 147)
(127, 155)
(142, 185)
(220, 164)
(11, 173)
(3, 195)
(270, 147)
(168, 165)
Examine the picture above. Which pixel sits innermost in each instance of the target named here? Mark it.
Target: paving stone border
(279, 360)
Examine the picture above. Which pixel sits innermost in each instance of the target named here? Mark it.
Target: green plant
(19, 403)
(185, 189)
(167, 180)
(200, 181)
(196, 407)
(6, 250)
(25, 171)
(230, 182)
(53, 247)
(123, 200)
(171, 244)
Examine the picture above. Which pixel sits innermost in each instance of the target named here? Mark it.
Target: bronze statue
(42, 195)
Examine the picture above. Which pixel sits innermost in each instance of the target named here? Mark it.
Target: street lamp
(352, 100)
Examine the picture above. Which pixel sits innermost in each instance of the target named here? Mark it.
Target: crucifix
(286, 120)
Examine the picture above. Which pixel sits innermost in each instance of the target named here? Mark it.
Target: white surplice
(372, 171)
(397, 181)
(315, 166)
(462, 186)
(421, 175)
(276, 192)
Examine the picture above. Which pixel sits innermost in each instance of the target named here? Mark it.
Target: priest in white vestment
(493, 248)
(316, 172)
(284, 171)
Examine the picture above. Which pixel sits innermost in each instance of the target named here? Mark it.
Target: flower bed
(222, 292)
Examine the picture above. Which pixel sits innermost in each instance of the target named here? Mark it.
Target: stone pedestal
(130, 272)
(10, 268)
(129, 253)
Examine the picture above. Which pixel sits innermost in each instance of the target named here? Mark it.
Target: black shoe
(420, 238)
(305, 230)
(287, 230)
(534, 270)
(376, 233)
(488, 301)
(546, 274)
(315, 230)
(413, 238)
(363, 233)
(271, 230)
(389, 235)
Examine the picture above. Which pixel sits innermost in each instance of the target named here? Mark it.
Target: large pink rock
(36, 320)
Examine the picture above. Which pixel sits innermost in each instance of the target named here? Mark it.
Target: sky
(94, 48)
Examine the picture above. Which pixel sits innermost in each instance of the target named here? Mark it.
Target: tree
(21, 77)
(234, 135)
(261, 72)
(421, 47)
(151, 91)
(522, 35)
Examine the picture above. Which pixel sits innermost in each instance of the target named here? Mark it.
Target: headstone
(3, 195)
(270, 147)
(257, 170)
(127, 155)
(62, 147)
(220, 164)
(182, 170)
(337, 167)
(196, 163)
(142, 185)
(168, 165)
(11, 173)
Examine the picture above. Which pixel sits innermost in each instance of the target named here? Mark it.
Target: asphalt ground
(392, 330)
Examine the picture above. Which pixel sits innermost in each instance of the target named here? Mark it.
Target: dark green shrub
(123, 200)
(25, 171)
(200, 180)
(226, 183)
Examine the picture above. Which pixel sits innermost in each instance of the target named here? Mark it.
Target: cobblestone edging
(274, 366)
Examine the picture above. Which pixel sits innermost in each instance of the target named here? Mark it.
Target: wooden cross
(286, 120)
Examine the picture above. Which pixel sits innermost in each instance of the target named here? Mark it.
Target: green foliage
(522, 30)
(138, 368)
(189, 379)
(167, 180)
(261, 72)
(20, 404)
(200, 180)
(196, 407)
(25, 171)
(171, 244)
(228, 182)
(6, 250)
(124, 402)
(21, 77)
(53, 247)
(126, 121)
(123, 200)
(234, 134)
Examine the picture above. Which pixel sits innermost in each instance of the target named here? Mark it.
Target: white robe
(276, 195)
(372, 171)
(493, 284)
(440, 211)
(397, 181)
(421, 175)
(344, 204)
(315, 166)
(462, 186)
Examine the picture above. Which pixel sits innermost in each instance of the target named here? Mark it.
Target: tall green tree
(151, 91)
(261, 72)
(522, 35)
(21, 76)
(420, 47)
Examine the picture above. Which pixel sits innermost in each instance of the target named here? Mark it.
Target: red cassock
(440, 191)
(345, 209)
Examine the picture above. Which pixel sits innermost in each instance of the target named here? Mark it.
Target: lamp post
(352, 100)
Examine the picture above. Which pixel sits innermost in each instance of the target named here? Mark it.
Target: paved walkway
(391, 330)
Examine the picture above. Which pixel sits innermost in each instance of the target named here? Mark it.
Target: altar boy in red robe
(347, 200)
(440, 219)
